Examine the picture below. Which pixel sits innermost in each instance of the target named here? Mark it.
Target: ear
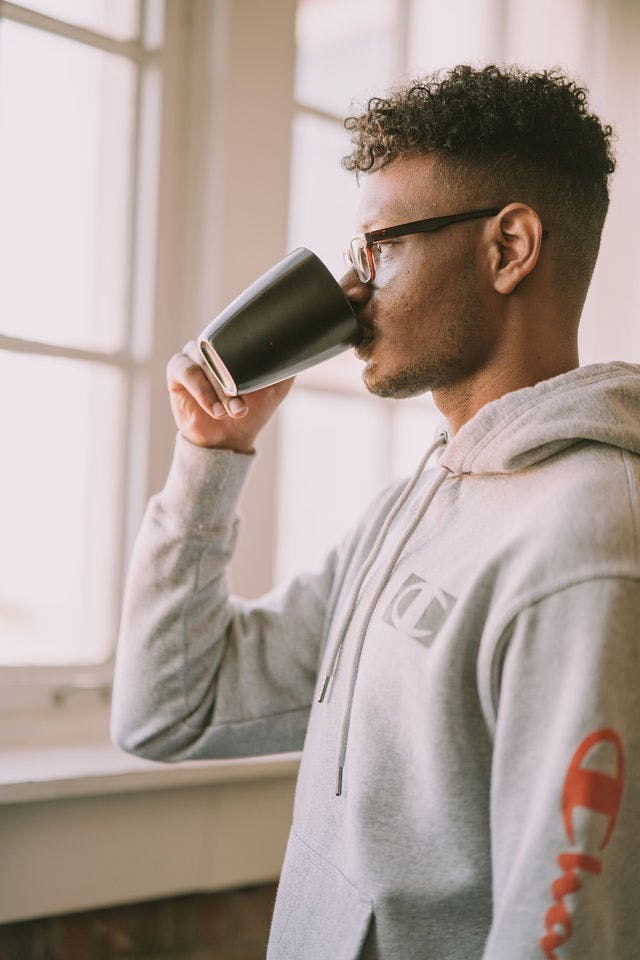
(516, 240)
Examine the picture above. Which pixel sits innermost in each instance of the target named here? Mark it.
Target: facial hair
(452, 354)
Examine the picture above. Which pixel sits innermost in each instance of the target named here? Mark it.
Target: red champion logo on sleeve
(595, 791)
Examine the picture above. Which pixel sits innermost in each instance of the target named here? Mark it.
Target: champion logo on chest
(419, 609)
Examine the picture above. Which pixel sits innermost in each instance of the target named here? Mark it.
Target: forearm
(177, 569)
(565, 789)
(201, 674)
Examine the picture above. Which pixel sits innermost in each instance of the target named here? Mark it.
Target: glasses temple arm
(426, 226)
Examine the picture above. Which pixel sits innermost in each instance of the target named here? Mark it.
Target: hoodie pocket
(318, 912)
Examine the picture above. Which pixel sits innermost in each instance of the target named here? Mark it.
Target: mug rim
(217, 367)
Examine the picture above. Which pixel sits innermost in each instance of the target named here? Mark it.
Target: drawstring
(367, 620)
(406, 493)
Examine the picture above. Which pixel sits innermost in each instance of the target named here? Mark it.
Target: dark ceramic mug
(292, 317)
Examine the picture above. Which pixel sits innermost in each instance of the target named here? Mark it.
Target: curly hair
(499, 135)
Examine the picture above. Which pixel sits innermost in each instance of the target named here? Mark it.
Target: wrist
(203, 485)
(234, 444)
(246, 449)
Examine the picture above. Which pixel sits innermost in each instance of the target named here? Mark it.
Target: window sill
(57, 772)
(73, 814)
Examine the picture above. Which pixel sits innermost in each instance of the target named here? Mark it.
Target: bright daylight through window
(75, 326)
(68, 135)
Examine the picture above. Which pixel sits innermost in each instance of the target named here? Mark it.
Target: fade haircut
(500, 135)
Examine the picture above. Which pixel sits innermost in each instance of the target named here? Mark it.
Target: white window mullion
(119, 358)
(131, 415)
(131, 49)
(403, 36)
(307, 109)
(145, 193)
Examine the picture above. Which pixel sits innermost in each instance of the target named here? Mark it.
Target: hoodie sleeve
(200, 674)
(565, 793)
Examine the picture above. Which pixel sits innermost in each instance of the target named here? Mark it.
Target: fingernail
(236, 405)
(218, 410)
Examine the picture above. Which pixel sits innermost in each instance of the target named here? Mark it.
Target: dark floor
(228, 925)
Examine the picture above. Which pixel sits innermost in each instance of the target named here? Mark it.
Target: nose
(356, 292)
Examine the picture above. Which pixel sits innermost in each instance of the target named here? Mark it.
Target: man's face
(426, 323)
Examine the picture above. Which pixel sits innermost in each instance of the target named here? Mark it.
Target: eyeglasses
(359, 253)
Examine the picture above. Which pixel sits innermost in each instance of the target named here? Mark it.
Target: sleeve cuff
(203, 486)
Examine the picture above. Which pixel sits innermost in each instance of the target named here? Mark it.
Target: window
(128, 187)
(79, 95)
(146, 249)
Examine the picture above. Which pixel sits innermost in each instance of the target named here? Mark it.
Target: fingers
(186, 370)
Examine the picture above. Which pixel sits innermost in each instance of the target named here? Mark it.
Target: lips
(366, 327)
(367, 335)
(363, 347)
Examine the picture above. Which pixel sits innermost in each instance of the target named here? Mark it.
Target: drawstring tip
(339, 783)
(324, 688)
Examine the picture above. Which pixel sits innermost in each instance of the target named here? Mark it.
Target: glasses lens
(360, 260)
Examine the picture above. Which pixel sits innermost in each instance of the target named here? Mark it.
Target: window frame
(189, 221)
(25, 688)
(197, 216)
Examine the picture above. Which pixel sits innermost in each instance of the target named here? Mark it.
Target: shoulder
(573, 515)
(584, 510)
(571, 520)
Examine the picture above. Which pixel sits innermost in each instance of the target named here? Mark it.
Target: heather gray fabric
(491, 790)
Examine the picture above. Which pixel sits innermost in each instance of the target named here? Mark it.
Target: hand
(206, 417)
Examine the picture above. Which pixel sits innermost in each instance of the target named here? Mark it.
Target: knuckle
(199, 386)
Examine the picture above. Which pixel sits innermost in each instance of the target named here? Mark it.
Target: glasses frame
(367, 240)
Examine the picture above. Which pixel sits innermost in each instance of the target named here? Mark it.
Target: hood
(600, 403)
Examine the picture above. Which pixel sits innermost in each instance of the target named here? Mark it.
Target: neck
(460, 401)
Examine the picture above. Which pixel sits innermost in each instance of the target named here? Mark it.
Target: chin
(397, 386)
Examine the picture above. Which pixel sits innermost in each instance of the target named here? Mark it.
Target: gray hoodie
(463, 673)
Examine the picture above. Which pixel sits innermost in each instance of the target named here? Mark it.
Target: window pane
(66, 131)
(322, 217)
(324, 197)
(342, 373)
(346, 49)
(332, 462)
(534, 46)
(442, 35)
(61, 427)
(117, 18)
(415, 423)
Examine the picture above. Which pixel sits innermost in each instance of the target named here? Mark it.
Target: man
(463, 671)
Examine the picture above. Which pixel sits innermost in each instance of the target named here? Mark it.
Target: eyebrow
(384, 215)
(381, 214)
(369, 228)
